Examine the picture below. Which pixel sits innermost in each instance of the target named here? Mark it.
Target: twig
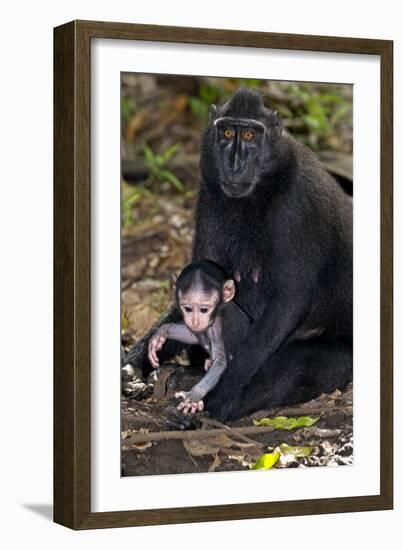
(224, 429)
(193, 434)
(233, 431)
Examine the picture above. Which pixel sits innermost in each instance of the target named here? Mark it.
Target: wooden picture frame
(72, 271)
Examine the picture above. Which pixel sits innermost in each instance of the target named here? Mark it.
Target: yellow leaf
(266, 461)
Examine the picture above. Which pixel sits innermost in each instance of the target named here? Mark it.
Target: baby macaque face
(197, 308)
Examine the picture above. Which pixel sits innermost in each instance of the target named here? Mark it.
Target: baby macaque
(204, 295)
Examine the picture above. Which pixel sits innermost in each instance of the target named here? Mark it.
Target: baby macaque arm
(173, 331)
(218, 366)
(212, 376)
(181, 333)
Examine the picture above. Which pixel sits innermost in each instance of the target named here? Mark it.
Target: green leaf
(156, 163)
(295, 450)
(266, 461)
(128, 109)
(125, 321)
(166, 174)
(340, 112)
(148, 153)
(312, 122)
(133, 198)
(170, 152)
(159, 160)
(306, 421)
(251, 82)
(199, 108)
(208, 93)
(284, 423)
(327, 98)
(269, 460)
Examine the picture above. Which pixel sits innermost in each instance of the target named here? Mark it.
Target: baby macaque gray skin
(204, 297)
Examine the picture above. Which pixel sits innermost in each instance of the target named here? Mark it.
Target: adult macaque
(270, 214)
(203, 295)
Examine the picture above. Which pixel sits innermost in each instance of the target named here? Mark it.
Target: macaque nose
(195, 321)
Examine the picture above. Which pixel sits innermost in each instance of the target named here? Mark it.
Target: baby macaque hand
(155, 344)
(207, 364)
(191, 402)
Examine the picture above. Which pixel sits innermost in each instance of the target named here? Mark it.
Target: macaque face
(197, 308)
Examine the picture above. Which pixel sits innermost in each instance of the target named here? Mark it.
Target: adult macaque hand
(155, 344)
(190, 403)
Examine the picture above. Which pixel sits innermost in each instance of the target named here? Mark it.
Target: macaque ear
(174, 278)
(276, 125)
(228, 290)
(213, 113)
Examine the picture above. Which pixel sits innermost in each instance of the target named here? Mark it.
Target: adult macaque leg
(293, 375)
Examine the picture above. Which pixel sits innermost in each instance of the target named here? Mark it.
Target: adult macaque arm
(265, 336)
(205, 242)
(260, 343)
(290, 302)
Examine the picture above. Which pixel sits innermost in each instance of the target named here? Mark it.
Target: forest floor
(148, 447)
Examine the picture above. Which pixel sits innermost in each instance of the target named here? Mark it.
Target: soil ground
(330, 439)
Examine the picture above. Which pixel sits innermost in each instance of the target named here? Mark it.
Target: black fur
(295, 226)
(205, 274)
(292, 225)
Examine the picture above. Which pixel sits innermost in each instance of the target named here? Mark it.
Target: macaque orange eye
(228, 133)
(248, 135)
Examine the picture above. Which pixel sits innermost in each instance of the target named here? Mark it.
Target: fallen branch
(193, 434)
(235, 432)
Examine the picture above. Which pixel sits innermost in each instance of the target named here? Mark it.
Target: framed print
(223, 275)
